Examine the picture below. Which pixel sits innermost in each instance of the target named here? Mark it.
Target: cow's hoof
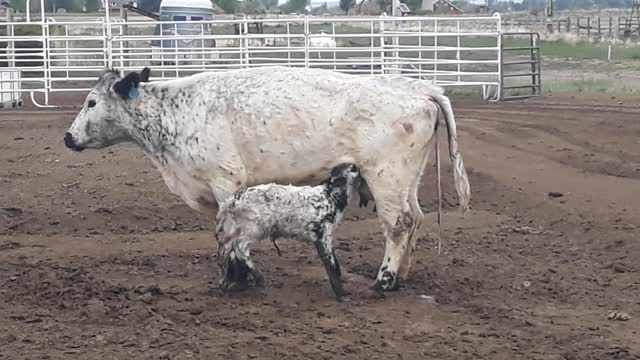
(388, 281)
(236, 276)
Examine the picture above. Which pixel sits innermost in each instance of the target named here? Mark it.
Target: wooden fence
(582, 26)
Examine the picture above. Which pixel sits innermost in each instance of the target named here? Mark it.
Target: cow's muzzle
(71, 143)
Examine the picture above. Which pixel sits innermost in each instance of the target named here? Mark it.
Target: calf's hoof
(234, 286)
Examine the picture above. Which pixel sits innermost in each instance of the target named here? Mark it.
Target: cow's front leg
(236, 273)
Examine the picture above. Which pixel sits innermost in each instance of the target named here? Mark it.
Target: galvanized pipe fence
(50, 55)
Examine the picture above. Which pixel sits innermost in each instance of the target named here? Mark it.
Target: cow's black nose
(68, 141)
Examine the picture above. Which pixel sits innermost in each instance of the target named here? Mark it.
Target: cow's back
(295, 124)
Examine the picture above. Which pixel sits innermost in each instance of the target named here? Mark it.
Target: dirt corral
(99, 261)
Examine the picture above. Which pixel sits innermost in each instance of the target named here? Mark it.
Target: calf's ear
(127, 88)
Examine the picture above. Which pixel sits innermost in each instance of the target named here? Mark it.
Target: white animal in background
(324, 41)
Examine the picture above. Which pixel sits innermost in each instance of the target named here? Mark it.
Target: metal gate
(453, 51)
(520, 65)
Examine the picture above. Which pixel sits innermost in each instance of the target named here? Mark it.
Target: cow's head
(102, 120)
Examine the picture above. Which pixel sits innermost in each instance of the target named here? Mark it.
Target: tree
(346, 5)
(294, 6)
(269, 4)
(414, 5)
(250, 7)
(385, 5)
(92, 5)
(228, 6)
(149, 5)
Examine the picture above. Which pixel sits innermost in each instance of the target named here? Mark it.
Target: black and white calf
(272, 211)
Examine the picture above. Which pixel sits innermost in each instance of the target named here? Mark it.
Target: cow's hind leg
(414, 204)
(399, 220)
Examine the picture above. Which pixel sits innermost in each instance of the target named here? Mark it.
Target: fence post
(599, 32)
(588, 27)
(11, 54)
(578, 27)
(124, 32)
(610, 25)
(568, 23)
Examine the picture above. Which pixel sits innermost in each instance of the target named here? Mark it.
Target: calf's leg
(323, 241)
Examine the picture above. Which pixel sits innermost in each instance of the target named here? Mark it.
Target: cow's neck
(154, 120)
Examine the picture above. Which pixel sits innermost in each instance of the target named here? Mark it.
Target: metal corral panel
(10, 96)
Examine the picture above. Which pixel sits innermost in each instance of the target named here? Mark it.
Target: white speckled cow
(211, 134)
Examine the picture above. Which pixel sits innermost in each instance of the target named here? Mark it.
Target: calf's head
(103, 121)
(344, 182)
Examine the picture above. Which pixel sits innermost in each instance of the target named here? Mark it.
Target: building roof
(199, 4)
(447, 3)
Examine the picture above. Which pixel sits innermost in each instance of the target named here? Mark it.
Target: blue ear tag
(134, 93)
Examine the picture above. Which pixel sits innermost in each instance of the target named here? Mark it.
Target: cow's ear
(127, 88)
(144, 74)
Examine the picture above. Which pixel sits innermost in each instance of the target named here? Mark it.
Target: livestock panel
(449, 51)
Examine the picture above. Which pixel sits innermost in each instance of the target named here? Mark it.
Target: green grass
(591, 86)
(588, 51)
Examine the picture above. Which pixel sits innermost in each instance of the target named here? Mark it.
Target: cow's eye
(91, 103)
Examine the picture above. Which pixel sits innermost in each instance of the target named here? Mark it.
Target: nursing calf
(283, 211)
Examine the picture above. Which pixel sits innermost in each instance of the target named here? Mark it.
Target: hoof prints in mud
(118, 220)
(98, 260)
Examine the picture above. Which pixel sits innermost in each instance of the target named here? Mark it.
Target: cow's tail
(459, 174)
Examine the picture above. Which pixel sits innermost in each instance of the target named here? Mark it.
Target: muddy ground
(99, 261)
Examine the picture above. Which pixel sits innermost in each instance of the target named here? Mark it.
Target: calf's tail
(459, 174)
